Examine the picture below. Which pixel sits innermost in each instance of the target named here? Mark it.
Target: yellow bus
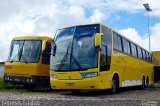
(93, 56)
(28, 61)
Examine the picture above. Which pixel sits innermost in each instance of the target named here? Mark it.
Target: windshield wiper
(78, 64)
(64, 59)
(15, 57)
(20, 55)
(71, 56)
(24, 58)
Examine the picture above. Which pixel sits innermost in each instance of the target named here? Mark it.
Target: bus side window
(117, 42)
(134, 50)
(147, 56)
(144, 55)
(128, 48)
(124, 45)
(46, 54)
(105, 49)
(139, 52)
(104, 65)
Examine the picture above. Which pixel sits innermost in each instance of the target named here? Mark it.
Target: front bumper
(83, 84)
(29, 80)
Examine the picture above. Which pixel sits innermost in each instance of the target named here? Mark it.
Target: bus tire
(115, 84)
(143, 82)
(147, 82)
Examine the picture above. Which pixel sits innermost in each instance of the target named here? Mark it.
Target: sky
(45, 17)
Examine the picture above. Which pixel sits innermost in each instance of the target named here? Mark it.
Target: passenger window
(117, 42)
(139, 52)
(106, 38)
(104, 59)
(134, 50)
(144, 55)
(128, 48)
(147, 56)
(46, 54)
(125, 45)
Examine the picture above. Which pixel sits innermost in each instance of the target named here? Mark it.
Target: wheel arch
(115, 74)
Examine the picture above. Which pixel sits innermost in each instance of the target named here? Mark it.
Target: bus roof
(34, 37)
(80, 25)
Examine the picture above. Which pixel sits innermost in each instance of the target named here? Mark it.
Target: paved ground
(126, 97)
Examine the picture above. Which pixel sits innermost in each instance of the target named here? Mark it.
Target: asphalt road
(126, 97)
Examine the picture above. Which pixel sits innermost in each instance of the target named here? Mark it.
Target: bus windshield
(75, 49)
(25, 51)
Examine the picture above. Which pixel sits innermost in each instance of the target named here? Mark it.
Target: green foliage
(8, 86)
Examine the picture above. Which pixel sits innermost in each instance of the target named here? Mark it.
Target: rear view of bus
(28, 61)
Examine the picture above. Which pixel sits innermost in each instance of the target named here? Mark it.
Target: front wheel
(115, 85)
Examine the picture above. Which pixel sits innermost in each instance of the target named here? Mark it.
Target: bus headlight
(53, 76)
(92, 74)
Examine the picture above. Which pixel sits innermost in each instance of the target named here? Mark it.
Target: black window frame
(46, 54)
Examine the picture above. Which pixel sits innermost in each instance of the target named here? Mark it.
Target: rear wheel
(115, 84)
(147, 82)
(143, 82)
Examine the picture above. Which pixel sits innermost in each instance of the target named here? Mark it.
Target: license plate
(70, 84)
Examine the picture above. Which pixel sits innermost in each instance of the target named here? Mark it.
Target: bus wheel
(115, 84)
(76, 92)
(143, 82)
(147, 82)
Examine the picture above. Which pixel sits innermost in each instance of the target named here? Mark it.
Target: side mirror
(98, 39)
(53, 50)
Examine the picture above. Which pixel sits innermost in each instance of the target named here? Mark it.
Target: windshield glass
(25, 51)
(75, 49)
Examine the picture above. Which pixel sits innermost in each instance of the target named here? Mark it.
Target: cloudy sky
(44, 17)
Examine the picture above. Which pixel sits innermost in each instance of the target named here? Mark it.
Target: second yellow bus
(28, 61)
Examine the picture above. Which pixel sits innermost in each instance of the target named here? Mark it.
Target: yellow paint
(156, 58)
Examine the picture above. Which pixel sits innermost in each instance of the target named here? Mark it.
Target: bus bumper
(83, 84)
(25, 80)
